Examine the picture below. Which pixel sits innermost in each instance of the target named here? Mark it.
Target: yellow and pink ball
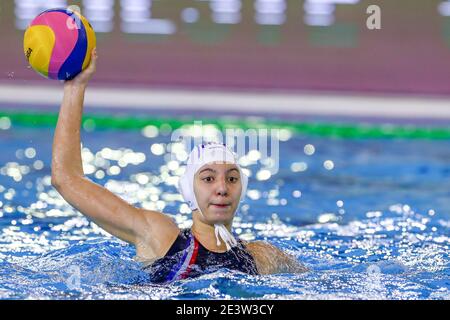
(58, 44)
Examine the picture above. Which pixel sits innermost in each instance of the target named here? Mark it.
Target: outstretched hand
(84, 76)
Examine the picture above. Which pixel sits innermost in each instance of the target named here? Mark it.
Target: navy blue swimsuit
(187, 258)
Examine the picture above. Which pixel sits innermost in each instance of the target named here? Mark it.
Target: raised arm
(150, 231)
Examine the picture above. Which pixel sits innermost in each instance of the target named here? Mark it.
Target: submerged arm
(269, 259)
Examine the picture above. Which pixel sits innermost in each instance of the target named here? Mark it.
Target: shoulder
(261, 247)
(270, 259)
(264, 254)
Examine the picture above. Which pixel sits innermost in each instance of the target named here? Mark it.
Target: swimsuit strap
(183, 267)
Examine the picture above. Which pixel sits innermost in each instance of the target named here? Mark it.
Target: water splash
(392, 241)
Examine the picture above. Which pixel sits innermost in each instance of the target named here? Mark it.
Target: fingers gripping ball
(58, 44)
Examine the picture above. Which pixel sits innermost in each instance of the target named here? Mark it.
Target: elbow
(56, 182)
(59, 181)
(62, 175)
(56, 176)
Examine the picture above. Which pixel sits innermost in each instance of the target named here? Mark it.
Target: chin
(221, 217)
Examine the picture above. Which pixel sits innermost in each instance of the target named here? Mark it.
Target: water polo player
(213, 185)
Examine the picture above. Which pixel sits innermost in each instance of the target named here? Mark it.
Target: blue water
(375, 226)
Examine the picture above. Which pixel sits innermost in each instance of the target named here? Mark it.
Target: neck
(204, 233)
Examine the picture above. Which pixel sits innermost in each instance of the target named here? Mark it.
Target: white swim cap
(199, 156)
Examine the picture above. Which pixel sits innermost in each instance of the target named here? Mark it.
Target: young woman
(213, 185)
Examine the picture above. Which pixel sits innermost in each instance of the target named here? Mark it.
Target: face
(217, 188)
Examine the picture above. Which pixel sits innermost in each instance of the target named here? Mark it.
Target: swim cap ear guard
(199, 156)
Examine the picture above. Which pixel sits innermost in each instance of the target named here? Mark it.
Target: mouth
(221, 205)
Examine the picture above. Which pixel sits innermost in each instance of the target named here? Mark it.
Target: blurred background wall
(310, 45)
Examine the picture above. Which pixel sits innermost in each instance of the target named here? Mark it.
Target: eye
(233, 179)
(208, 179)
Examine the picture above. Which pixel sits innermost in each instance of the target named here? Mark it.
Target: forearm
(66, 155)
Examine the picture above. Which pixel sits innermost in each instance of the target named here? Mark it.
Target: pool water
(369, 217)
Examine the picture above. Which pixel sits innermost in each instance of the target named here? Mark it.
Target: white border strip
(248, 102)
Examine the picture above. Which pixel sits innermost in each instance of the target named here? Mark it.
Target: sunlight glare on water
(364, 215)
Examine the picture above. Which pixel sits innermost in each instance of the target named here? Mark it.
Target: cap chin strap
(227, 237)
(222, 232)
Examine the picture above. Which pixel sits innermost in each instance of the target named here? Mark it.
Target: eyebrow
(214, 171)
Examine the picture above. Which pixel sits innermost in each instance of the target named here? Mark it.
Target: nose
(222, 188)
